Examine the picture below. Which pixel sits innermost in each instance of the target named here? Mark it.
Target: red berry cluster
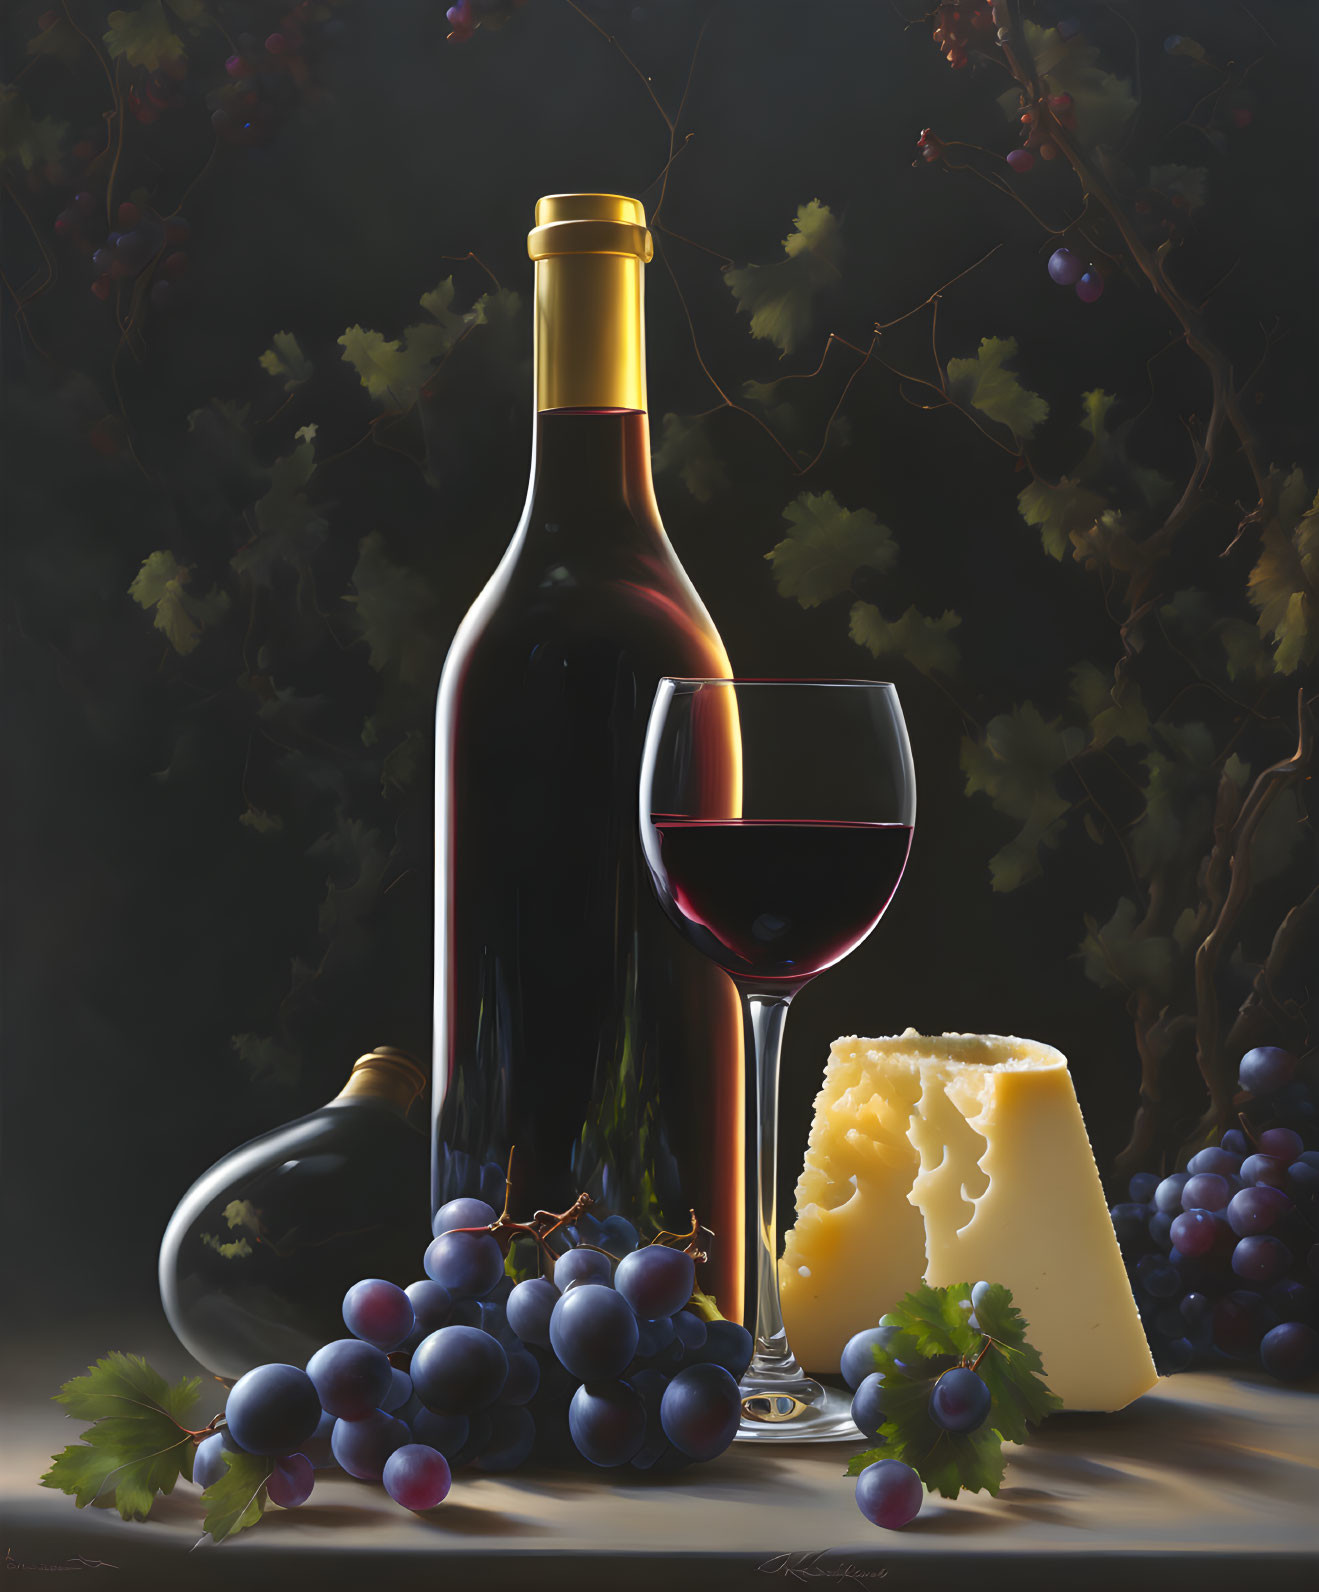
(465, 16)
(930, 146)
(141, 245)
(264, 75)
(962, 24)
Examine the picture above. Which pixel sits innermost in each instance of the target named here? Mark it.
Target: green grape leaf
(935, 1321)
(284, 358)
(396, 371)
(261, 823)
(24, 138)
(986, 383)
(1179, 775)
(289, 529)
(922, 640)
(266, 1059)
(1103, 104)
(1015, 766)
(1189, 611)
(192, 13)
(143, 37)
(1284, 584)
(1059, 510)
(395, 613)
(1106, 458)
(56, 40)
(137, 1445)
(1188, 183)
(1116, 956)
(684, 448)
(1116, 712)
(238, 1499)
(161, 585)
(826, 546)
(780, 297)
(1247, 655)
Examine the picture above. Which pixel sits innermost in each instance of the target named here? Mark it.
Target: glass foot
(796, 1411)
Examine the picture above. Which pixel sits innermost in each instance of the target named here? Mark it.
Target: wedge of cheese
(956, 1159)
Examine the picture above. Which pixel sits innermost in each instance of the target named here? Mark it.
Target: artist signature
(806, 1566)
(78, 1562)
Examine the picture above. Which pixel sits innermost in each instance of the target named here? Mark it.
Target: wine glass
(776, 819)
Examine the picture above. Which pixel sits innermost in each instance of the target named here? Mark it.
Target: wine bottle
(262, 1248)
(572, 1025)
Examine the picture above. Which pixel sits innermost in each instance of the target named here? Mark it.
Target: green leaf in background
(826, 546)
(1059, 510)
(985, 382)
(1103, 103)
(289, 529)
(1179, 780)
(23, 137)
(395, 371)
(1015, 766)
(1188, 183)
(138, 1445)
(238, 1499)
(143, 37)
(1116, 711)
(780, 298)
(1284, 584)
(395, 612)
(285, 359)
(922, 640)
(1115, 956)
(1106, 460)
(160, 586)
(684, 448)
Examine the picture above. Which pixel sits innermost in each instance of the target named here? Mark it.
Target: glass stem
(773, 1358)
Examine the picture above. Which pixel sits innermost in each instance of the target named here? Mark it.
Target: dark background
(146, 927)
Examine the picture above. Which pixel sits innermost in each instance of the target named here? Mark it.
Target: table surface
(1210, 1478)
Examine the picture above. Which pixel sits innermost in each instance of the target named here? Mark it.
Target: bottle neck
(387, 1075)
(590, 333)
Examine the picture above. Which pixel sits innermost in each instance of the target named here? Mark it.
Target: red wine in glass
(777, 899)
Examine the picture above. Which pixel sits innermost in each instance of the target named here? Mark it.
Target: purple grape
(1090, 287)
(290, 1483)
(858, 1357)
(1195, 1309)
(1255, 1210)
(462, 1213)
(1176, 1355)
(1194, 1232)
(1168, 1195)
(1160, 1230)
(1303, 1175)
(469, 1265)
(960, 1401)
(1284, 1144)
(656, 1281)
(1208, 1191)
(417, 1477)
(1065, 266)
(690, 1331)
(607, 1421)
(1236, 1141)
(869, 1405)
(593, 1332)
(208, 1464)
(1264, 1169)
(582, 1265)
(727, 1343)
(458, 1370)
(700, 1411)
(448, 1433)
(1260, 1258)
(102, 260)
(1157, 1277)
(400, 1392)
(529, 1308)
(1293, 1300)
(654, 1337)
(1131, 1224)
(272, 1410)
(510, 1439)
(351, 1378)
(1214, 1159)
(432, 1308)
(523, 1378)
(378, 1312)
(889, 1494)
(1021, 160)
(362, 1447)
(1290, 1352)
(1266, 1069)
(317, 1447)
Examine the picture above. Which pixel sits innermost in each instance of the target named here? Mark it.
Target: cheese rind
(961, 1158)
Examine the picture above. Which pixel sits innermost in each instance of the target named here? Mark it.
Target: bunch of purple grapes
(1224, 1257)
(600, 1360)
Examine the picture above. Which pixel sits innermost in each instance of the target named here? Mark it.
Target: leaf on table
(1012, 1369)
(985, 381)
(780, 297)
(289, 529)
(238, 1499)
(826, 546)
(1284, 584)
(285, 359)
(143, 37)
(1015, 766)
(1103, 103)
(1116, 956)
(137, 1445)
(684, 448)
(160, 587)
(24, 138)
(922, 640)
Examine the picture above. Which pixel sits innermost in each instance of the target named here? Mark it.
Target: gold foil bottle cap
(590, 223)
(386, 1073)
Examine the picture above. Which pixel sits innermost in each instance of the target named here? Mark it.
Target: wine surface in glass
(778, 899)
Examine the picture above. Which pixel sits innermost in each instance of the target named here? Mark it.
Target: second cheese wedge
(960, 1158)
